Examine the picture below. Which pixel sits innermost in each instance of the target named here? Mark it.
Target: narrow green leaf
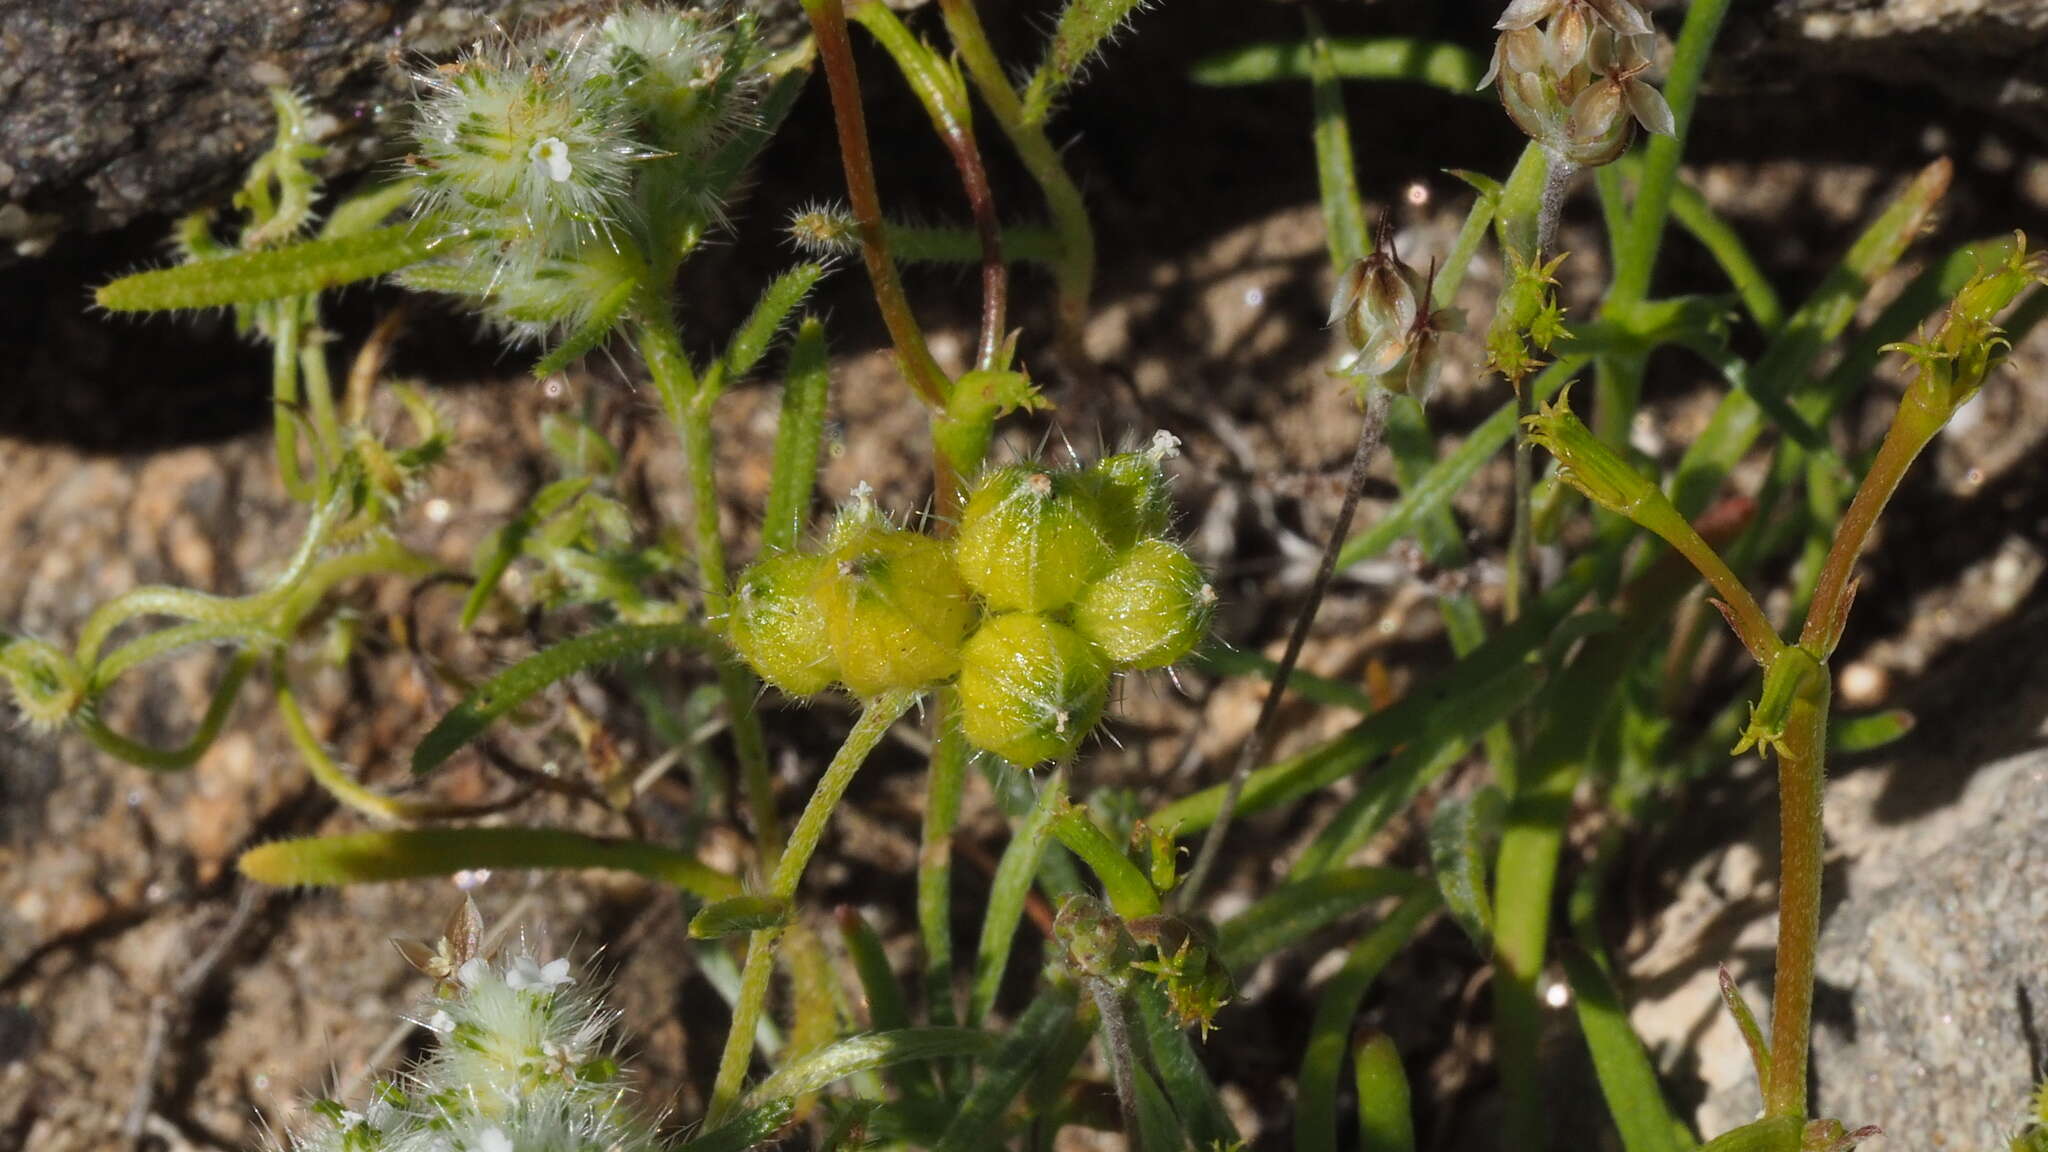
(781, 298)
(271, 274)
(1719, 238)
(1126, 885)
(1752, 1035)
(808, 1074)
(409, 854)
(1085, 25)
(887, 1010)
(1218, 660)
(1782, 371)
(1773, 1134)
(1446, 704)
(368, 209)
(1386, 1121)
(1295, 910)
(1868, 732)
(1012, 886)
(1315, 1105)
(1181, 1075)
(1637, 257)
(1461, 834)
(1627, 1080)
(799, 432)
(604, 318)
(1021, 1056)
(737, 915)
(1433, 492)
(1336, 175)
(749, 1128)
(1447, 66)
(1158, 1126)
(519, 683)
(1445, 737)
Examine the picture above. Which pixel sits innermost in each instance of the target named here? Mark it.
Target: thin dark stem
(1371, 431)
(835, 47)
(995, 275)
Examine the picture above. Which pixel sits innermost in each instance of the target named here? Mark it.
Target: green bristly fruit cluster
(1056, 580)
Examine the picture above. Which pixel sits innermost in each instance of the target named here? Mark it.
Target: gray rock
(111, 110)
(1987, 54)
(1941, 971)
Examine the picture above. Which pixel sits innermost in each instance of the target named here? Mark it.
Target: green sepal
(979, 399)
(1789, 682)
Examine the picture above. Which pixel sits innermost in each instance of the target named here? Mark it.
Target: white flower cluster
(523, 1062)
(576, 164)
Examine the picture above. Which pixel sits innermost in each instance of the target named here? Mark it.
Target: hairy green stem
(875, 718)
(1802, 777)
(687, 400)
(947, 781)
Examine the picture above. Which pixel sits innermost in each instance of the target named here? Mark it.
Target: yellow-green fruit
(1131, 496)
(1030, 688)
(1148, 611)
(895, 610)
(778, 626)
(1031, 538)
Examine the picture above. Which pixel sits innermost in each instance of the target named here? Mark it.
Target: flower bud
(1148, 611)
(895, 610)
(1030, 688)
(1589, 465)
(778, 625)
(1031, 538)
(1132, 501)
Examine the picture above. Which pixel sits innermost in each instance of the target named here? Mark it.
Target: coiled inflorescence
(1056, 579)
(578, 167)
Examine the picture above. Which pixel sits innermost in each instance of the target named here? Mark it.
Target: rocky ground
(147, 997)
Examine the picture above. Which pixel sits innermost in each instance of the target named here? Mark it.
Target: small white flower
(525, 973)
(493, 1140)
(473, 972)
(1165, 445)
(552, 152)
(440, 1023)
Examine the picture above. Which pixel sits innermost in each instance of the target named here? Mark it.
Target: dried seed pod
(1031, 538)
(1148, 611)
(1030, 688)
(895, 609)
(778, 624)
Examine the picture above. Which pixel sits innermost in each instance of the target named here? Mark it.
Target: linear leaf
(409, 854)
(1627, 1080)
(807, 1074)
(272, 274)
(517, 684)
(1447, 66)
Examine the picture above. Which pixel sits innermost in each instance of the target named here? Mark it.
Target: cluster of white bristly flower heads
(562, 166)
(1054, 580)
(522, 1062)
